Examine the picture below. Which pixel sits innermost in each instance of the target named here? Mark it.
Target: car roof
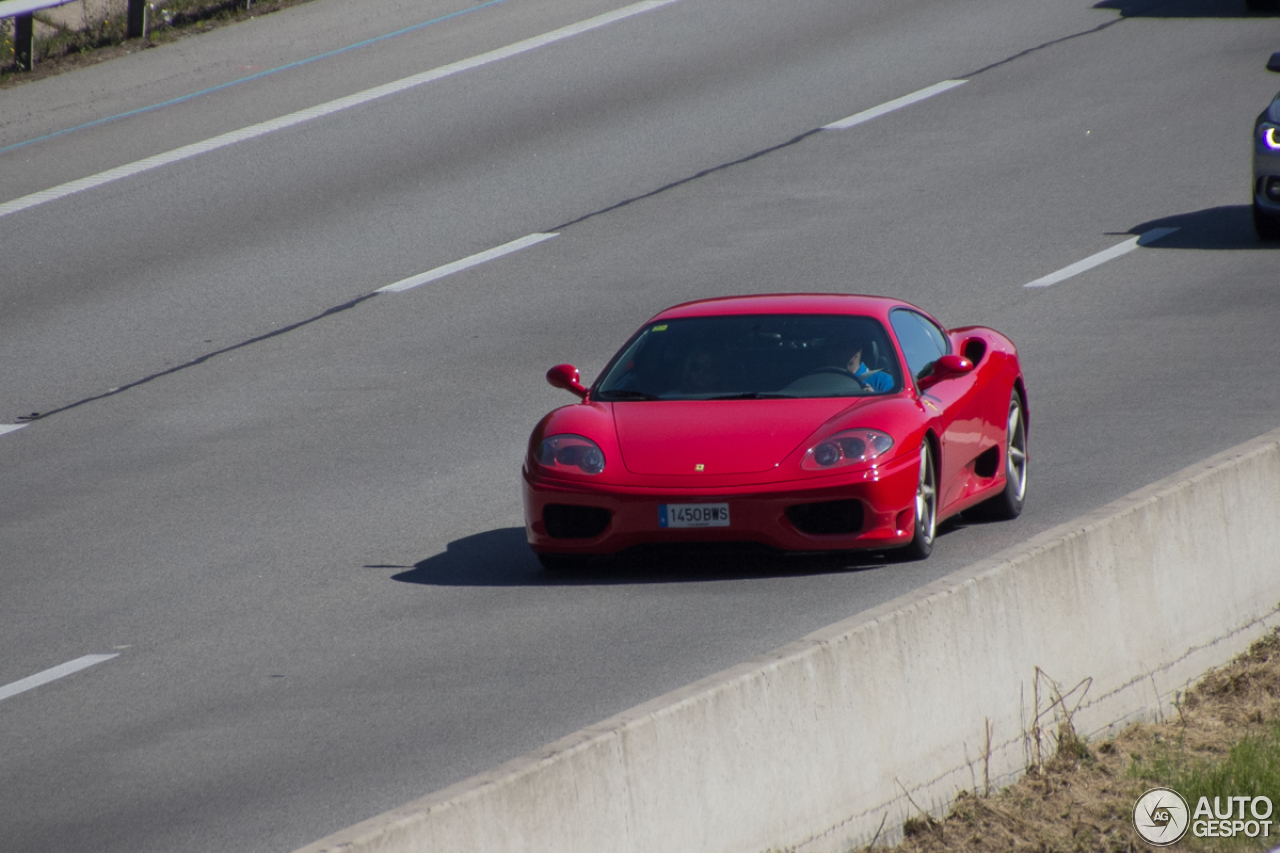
(785, 303)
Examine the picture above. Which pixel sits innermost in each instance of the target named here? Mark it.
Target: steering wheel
(842, 372)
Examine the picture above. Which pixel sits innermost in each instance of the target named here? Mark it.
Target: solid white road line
(254, 131)
(895, 104)
(54, 674)
(10, 428)
(465, 263)
(1144, 239)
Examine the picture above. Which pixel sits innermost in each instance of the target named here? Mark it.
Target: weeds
(1223, 742)
(1250, 766)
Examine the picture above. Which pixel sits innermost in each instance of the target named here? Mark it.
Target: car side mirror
(946, 367)
(566, 376)
(1273, 64)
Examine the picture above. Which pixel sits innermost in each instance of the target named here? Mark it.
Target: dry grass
(1083, 798)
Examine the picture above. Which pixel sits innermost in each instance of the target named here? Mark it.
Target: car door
(952, 404)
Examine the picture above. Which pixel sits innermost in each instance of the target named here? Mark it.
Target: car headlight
(1269, 135)
(850, 447)
(572, 452)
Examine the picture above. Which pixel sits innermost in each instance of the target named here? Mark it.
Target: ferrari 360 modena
(800, 422)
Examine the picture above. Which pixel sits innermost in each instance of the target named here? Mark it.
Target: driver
(876, 380)
(702, 372)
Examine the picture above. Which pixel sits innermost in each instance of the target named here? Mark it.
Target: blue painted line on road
(61, 671)
(251, 77)
(234, 137)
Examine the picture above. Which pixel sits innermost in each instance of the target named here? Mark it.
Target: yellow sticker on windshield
(661, 328)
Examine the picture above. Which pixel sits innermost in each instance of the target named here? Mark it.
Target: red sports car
(805, 422)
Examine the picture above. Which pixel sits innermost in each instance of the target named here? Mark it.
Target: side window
(938, 335)
(922, 342)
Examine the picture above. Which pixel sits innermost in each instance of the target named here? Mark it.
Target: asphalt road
(292, 509)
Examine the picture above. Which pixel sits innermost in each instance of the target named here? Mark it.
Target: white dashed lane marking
(895, 104)
(61, 671)
(465, 263)
(1144, 239)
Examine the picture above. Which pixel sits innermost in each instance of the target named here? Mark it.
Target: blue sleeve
(878, 381)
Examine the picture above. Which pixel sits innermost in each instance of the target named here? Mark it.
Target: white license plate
(693, 515)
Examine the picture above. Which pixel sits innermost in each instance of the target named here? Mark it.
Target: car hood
(722, 436)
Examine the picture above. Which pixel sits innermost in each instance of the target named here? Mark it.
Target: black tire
(1261, 5)
(1266, 224)
(1008, 504)
(926, 524)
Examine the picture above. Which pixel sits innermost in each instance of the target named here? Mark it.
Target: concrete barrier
(838, 736)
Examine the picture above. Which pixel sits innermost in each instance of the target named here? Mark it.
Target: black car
(1266, 166)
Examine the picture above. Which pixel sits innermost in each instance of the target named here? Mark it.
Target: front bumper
(759, 513)
(1266, 177)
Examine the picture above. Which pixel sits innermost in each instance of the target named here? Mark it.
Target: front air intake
(827, 518)
(564, 521)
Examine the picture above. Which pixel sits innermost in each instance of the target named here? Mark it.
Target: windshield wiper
(754, 395)
(626, 395)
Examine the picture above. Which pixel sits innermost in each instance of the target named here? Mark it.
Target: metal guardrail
(23, 11)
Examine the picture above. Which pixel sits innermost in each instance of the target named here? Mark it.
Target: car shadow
(1229, 227)
(1184, 9)
(502, 558)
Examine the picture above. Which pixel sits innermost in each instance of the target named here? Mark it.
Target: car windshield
(751, 357)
